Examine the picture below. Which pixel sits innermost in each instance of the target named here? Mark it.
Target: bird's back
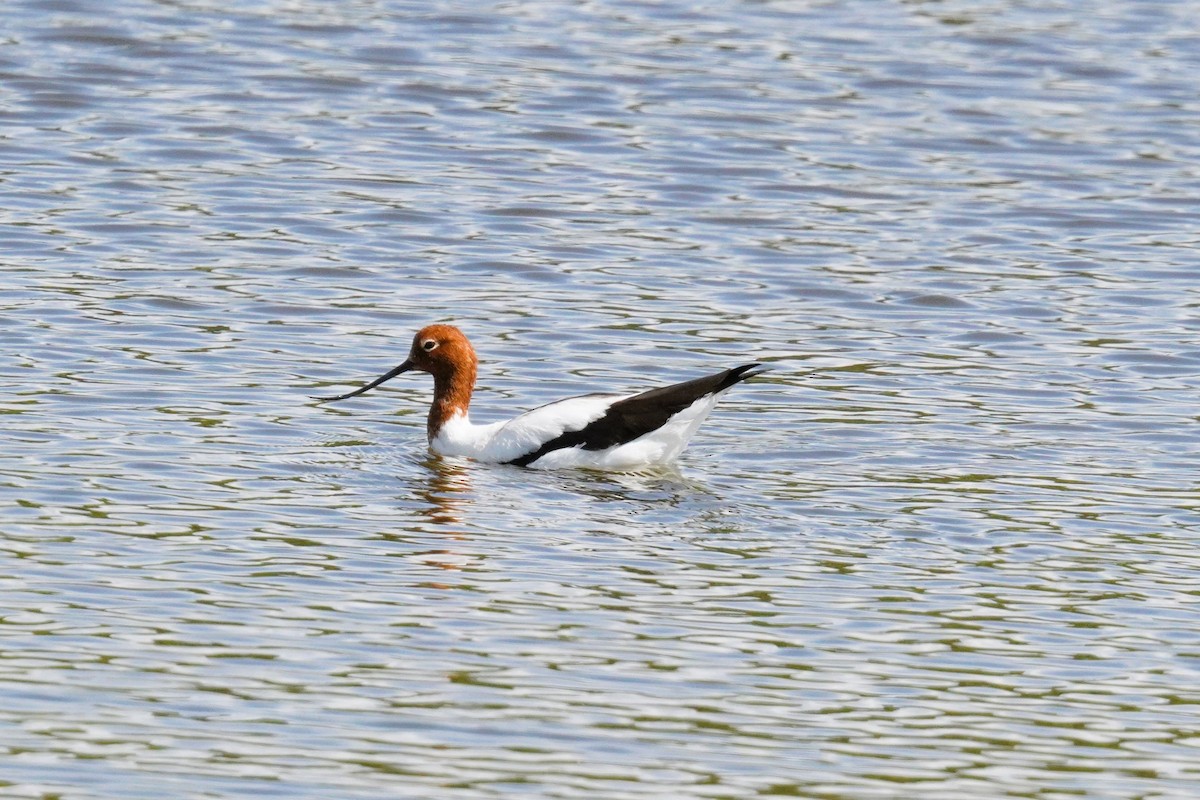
(614, 431)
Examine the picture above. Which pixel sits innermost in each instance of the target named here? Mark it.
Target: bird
(602, 430)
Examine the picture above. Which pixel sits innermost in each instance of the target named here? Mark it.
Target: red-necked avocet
(602, 431)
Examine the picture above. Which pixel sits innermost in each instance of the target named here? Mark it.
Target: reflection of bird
(447, 490)
(603, 431)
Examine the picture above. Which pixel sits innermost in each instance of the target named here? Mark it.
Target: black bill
(405, 367)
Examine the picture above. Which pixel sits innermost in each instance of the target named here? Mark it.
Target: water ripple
(946, 548)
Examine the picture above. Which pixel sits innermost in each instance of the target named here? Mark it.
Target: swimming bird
(601, 430)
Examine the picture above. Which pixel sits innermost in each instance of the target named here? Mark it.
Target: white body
(505, 441)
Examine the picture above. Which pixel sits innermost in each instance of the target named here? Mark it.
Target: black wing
(636, 416)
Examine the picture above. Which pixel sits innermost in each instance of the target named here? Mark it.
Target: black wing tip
(745, 371)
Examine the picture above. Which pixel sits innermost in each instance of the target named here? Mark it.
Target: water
(947, 550)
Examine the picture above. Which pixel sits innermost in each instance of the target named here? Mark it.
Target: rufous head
(441, 350)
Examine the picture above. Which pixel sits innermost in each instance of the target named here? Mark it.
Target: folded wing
(598, 422)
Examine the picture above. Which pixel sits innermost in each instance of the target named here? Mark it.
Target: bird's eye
(428, 345)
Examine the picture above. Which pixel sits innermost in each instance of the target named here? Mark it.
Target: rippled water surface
(948, 549)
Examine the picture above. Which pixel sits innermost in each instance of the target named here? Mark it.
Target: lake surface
(947, 549)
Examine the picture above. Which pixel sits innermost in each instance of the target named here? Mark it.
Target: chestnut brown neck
(452, 389)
